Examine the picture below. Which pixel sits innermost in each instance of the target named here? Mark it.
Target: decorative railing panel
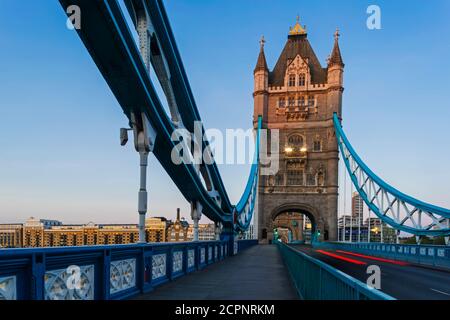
(159, 267)
(8, 288)
(122, 275)
(100, 272)
(177, 261)
(71, 283)
(202, 255)
(191, 258)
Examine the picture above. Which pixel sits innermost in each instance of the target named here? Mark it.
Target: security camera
(123, 136)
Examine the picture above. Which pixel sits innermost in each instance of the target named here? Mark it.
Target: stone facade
(299, 97)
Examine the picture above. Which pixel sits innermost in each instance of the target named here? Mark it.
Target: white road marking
(441, 292)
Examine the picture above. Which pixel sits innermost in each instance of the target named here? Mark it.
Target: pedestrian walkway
(257, 273)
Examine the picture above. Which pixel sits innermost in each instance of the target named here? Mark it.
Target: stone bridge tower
(298, 97)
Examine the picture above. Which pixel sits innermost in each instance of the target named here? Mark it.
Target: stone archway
(312, 213)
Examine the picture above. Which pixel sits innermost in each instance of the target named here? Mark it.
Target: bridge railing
(431, 255)
(315, 280)
(103, 272)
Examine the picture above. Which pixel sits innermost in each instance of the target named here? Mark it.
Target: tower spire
(336, 57)
(261, 64)
(262, 42)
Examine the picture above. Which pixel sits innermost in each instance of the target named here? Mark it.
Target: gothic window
(317, 146)
(301, 101)
(310, 179)
(295, 140)
(295, 177)
(301, 80)
(292, 80)
(311, 101)
(291, 102)
(282, 103)
(279, 180)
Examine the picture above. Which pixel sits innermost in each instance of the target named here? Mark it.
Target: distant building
(206, 232)
(155, 229)
(11, 235)
(47, 223)
(351, 228)
(52, 233)
(357, 205)
(178, 231)
(33, 233)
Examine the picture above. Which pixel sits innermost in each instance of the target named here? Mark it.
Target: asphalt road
(404, 282)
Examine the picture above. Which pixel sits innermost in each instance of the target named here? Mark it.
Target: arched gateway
(298, 97)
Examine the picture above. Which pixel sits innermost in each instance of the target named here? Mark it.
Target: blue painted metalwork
(246, 205)
(397, 209)
(431, 255)
(163, 38)
(315, 280)
(106, 272)
(107, 36)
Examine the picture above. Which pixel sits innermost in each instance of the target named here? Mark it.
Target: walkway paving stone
(256, 273)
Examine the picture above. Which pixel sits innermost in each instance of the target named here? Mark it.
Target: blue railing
(315, 280)
(430, 255)
(103, 272)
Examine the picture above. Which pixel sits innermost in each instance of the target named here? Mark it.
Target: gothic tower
(298, 97)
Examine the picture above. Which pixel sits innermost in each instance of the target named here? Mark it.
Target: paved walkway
(257, 273)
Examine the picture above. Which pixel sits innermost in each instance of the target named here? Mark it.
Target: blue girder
(400, 208)
(107, 37)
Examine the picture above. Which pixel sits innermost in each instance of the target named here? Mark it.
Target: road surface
(402, 281)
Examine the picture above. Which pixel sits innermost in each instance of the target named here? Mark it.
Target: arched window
(295, 177)
(311, 101)
(301, 101)
(295, 140)
(310, 179)
(291, 102)
(279, 181)
(292, 80)
(301, 80)
(317, 146)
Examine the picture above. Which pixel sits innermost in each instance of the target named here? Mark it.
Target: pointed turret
(336, 57)
(261, 80)
(261, 64)
(335, 76)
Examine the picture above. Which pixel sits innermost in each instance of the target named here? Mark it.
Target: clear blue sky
(59, 151)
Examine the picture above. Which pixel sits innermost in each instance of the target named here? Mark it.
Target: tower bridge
(303, 101)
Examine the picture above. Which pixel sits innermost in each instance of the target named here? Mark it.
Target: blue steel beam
(107, 37)
(178, 78)
(389, 204)
(246, 206)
